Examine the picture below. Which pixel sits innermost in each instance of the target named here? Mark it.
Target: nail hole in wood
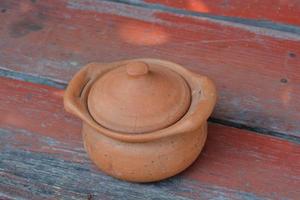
(292, 55)
(283, 80)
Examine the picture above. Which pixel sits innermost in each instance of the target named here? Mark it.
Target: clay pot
(143, 120)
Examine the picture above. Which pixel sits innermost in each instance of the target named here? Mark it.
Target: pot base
(146, 161)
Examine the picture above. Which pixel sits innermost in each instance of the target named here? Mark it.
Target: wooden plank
(42, 157)
(255, 69)
(283, 11)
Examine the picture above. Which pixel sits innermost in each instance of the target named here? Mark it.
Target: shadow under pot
(144, 120)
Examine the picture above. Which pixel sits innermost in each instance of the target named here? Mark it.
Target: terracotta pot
(143, 120)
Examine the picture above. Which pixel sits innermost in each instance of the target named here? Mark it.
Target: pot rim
(203, 99)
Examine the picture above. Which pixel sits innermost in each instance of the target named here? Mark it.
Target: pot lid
(139, 97)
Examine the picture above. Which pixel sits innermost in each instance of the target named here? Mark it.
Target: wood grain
(42, 157)
(256, 69)
(283, 11)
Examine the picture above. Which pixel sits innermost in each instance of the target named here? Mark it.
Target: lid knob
(137, 68)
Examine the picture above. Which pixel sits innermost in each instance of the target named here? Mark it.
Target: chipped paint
(255, 61)
(266, 28)
(34, 173)
(110, 8)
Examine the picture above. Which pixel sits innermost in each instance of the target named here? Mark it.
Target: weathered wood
(284, 11)
(255, 69)
(42, 157)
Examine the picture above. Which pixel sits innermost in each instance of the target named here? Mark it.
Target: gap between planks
(281, 27)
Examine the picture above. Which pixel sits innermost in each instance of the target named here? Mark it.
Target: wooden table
(251, 50)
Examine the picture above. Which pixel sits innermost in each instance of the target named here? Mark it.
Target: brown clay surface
(128, 92)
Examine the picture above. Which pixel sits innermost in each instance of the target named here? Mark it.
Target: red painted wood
(256, 70)
(282, 11)
(233, 161)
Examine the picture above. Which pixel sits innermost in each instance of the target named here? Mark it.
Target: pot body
(144, 161)
(148, 156)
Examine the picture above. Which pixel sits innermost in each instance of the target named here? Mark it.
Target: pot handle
(73, 97)
(209, 95)
(207, 100)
